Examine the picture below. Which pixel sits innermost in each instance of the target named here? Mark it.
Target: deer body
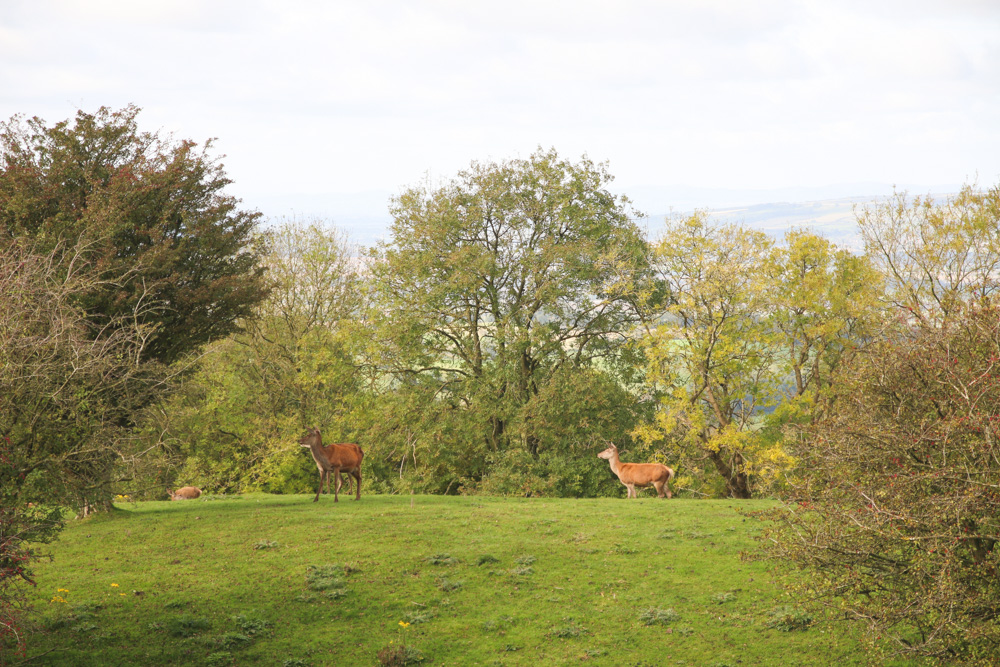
(185, 493)
(335, 458)
(640, 475)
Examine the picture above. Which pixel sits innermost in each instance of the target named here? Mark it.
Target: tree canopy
(494, 283)
(169, 244)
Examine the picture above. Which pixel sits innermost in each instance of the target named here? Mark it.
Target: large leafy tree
(823, 303)
(746, 342)
(497, 280)
(167, 241)
(712, 351)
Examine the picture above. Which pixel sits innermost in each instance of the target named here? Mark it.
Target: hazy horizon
(330, 108)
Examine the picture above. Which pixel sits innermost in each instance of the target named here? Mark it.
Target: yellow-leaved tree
(744, 344)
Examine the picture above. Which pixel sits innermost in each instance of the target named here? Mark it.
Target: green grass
(480, 581)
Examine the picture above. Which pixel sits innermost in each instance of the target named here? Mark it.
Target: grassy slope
(598, 565)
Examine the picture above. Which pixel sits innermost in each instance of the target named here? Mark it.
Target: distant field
(481, 581)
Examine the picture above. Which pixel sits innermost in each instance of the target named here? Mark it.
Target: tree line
(515, 321)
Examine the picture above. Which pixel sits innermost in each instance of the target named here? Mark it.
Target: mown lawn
(481, 581)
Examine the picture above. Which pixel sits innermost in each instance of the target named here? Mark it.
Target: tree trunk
(737, 481)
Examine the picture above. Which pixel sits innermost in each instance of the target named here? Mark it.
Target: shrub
(898, 513)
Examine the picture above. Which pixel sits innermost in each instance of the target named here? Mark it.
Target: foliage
(171, 248)
(899, 519)
(823, 304)
(67, 394)
(712, 352)
(494, 283)
(746, 343)
(235, 422)
(937, 256)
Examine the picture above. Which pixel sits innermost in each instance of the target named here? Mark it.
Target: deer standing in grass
(639, 474)
(334, 458)
(185, 493)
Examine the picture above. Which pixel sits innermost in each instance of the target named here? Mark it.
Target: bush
(899, 518)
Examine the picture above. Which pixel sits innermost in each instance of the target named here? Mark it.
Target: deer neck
(318, 453)
(616, 464)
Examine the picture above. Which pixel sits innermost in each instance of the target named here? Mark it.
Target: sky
(328, 108)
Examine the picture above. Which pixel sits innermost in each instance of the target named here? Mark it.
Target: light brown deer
(185, 493)
(639, 474)
(334, 458)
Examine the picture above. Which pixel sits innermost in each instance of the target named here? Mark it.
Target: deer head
(609, 453)
(310, 438)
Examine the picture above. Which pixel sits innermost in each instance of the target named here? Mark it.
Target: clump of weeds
(399, 655)
(441, 559)
(232, 640)
(448, 585)
(653, 616)
(570, 630)
(324, 578)
(252, 626)
(418, 617)
(623, 549)
(788, 619)
(498, 624)
(185, 626)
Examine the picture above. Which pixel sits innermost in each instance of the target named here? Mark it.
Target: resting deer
(185, 493)
(639, 474)
(335, 458)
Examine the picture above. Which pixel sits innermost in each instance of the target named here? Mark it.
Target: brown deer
(333, 458)
(639, 474)
(185, 493)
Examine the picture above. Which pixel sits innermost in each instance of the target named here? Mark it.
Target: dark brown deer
(334, 458)
(639, 474)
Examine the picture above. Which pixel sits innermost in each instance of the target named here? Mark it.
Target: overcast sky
(330, 107)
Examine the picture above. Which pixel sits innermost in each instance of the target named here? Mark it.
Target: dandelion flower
(62, 590)
(114, 585)
(404, 624)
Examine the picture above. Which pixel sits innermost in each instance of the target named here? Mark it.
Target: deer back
(644, 473)
(344, 455)
(185, 493)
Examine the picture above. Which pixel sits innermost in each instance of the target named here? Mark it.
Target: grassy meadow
(280, 580)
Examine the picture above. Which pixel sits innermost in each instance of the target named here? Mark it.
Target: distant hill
(833, 218)
(828, 210)
(366, 218)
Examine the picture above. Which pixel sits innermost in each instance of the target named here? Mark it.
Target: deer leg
(336, 486)
(659, 489)
(356, 474)
(320, 488)
(631, 490)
